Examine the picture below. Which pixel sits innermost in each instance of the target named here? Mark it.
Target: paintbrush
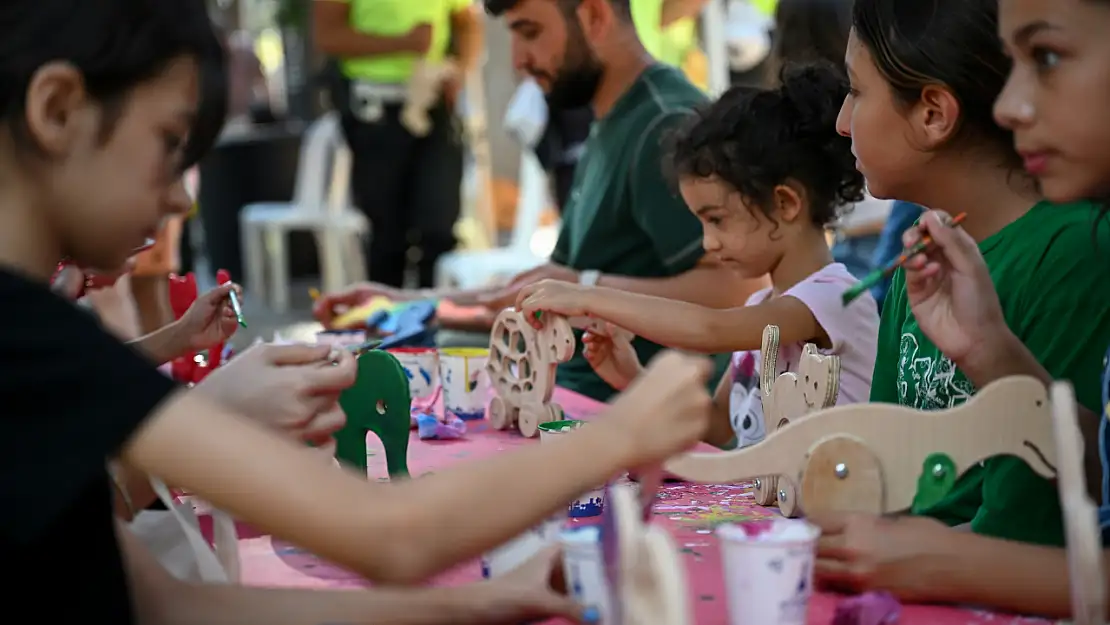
(879, 275)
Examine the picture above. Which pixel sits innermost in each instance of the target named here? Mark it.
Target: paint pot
(462, 374)
(590, 504)
(768, 567)
(584, 570)
(519, 550)
(421, 366)
(341, 338)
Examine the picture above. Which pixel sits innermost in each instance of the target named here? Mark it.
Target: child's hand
(951, 292)
(861, 552)
(210, 320)
(533, 591)
(290, 388)
(612, 356)
(666, 409)
(556, 296)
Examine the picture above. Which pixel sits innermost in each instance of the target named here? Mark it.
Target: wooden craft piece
(521, 367)
(814, 386)
(378, 402)
(646, 577)
(889, 444)
(1081, 528)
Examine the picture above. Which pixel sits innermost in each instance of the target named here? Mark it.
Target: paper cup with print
(768, 567)
(590, 504)
(462, 373)
(421, 366)
(516, 552)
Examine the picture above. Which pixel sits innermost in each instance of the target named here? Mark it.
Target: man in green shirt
(624, 226)
(1047, 275)
(407, 184)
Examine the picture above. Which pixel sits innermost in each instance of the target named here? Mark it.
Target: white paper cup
(768, 567)
(584, 570)
(589, 504)
(516, 552)
(462, 372)
(341, 338)
(421, 368)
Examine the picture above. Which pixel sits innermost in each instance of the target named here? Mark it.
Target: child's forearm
(397, 533)
(1001, 575)
(720, 432)
(679, 324)
(162, 345)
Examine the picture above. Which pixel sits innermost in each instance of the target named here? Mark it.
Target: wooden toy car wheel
(498, 414)
(531, 416)
(765, 489)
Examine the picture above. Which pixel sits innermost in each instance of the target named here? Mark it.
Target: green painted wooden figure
(378, 402)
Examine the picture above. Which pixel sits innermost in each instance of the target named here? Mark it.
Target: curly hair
(755, 139)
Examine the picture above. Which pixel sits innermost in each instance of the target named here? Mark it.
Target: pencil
(237, 307)
(879, 275)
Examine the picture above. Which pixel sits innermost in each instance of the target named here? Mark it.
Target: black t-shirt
(70, 395)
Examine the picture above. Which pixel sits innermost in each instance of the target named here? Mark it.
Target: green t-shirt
(622, 216)
(396, 17)
(1049, 271)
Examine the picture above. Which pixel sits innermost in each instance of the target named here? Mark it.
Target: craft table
(689, 512)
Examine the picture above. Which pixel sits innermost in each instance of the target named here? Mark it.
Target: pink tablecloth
(689, 511)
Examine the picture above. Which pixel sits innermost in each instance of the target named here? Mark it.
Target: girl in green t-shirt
(925, 77)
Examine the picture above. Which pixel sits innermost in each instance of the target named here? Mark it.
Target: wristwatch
(589, 277)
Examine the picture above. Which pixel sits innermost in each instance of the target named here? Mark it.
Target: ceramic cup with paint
(421, 368)
(519, 550)
(341, 338)
(768, 570)
(584, 571)
(589, 504)
(465, 383)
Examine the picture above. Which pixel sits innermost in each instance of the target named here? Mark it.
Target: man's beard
(577, 81)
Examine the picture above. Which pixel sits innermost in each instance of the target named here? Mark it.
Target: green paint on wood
(378, 402)
(938, 475)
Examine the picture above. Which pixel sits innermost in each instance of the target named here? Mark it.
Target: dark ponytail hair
(810, 31)
(952, 43)
(116, 45)
(756, 139)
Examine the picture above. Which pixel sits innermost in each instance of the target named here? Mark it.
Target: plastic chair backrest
(533, 198)
(322, 141)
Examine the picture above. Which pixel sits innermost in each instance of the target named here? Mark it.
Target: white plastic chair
(320, 205)
(467, 269)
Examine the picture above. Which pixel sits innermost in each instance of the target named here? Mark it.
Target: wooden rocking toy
(521, 367)
(378, 402)
(815, 386)
(646, 577)
(874, 457)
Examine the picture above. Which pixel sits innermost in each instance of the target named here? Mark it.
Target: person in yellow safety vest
(408, 185)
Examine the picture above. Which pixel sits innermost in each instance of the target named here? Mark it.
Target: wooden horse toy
(521, 366)
(647, 581)
(874, 457)
(378, 402)
(815, 386)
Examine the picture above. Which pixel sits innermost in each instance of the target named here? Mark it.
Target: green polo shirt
(391, 18)
(623, 217)
(1050, 269)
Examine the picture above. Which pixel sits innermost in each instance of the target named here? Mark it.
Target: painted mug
(462, 375)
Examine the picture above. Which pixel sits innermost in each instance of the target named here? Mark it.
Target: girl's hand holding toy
(211, 319)
(612, 357)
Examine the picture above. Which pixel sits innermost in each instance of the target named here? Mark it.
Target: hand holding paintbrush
(949, 292)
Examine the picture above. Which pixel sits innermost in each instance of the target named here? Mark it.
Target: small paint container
(462, 374)
(516, 552)
(421, 366)
(768, 567)
(584, 570)
(590, 504)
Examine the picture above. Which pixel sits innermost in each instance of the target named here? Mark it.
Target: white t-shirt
(853, 331)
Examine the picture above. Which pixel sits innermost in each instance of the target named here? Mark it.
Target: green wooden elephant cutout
(378, 402)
